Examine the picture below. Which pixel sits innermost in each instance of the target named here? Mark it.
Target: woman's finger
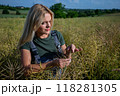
(76, 49)
(72, 48)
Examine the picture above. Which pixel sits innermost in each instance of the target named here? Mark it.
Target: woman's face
(45, 27)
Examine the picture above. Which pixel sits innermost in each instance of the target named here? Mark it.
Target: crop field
(12, 14)
(98, 36)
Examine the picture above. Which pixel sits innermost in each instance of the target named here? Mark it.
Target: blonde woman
(37, 29)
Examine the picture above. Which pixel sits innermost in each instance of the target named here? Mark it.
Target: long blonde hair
(33, 21)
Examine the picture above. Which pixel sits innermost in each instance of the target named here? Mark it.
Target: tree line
(13, 8)
(6, 9)
(61, 12)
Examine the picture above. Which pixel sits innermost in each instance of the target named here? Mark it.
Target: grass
(98, 36)
(12, 14)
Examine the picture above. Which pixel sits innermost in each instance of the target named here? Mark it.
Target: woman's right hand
(62, 62)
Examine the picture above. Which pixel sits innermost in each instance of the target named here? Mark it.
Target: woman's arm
(26, 61)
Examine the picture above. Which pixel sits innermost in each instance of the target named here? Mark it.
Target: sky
(73, 4)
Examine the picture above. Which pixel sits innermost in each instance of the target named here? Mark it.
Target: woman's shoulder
(25, 46)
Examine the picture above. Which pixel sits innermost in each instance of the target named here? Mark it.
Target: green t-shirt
(46, 47)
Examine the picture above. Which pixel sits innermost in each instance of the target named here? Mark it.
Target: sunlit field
(98, 36)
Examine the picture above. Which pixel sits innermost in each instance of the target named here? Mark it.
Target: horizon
(56, 3)
(69, 4)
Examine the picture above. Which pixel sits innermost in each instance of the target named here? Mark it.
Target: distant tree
(82, 14)
(58, 6)
(12, 8)
(88, 13)
(17, 12)
(60, 14)
(5, 11)
(59, 10)
(107, 11)
(72, 14)
(114, 10)
(98, 12)
(92, 13)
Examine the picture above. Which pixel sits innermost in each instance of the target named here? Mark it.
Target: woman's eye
(43, 23)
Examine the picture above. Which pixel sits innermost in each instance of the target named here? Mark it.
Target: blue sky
(76, 4)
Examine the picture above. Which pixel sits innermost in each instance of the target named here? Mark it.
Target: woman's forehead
(47, 17)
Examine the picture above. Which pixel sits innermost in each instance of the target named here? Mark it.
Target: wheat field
(98, 36)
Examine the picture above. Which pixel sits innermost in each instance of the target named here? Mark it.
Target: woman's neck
(42, 36)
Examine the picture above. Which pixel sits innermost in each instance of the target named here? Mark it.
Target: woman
(37, 29)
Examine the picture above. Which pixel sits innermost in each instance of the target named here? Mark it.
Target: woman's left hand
(72, 49)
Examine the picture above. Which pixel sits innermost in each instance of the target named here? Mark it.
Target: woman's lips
(47, 29)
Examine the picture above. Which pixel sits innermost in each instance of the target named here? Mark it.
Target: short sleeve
(25, 46)
(61, 39)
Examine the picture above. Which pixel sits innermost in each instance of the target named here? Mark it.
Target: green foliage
(72, 14)
(59, 14)
(17, 12)
(90, 13)
(59, 10)
(82, 14)
(98, 12)
(13, 8)
(5, 11)
(58, 6)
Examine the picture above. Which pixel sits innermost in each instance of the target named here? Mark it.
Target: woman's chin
(47, 32)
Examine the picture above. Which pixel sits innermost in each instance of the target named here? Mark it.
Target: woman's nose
(48, 24)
